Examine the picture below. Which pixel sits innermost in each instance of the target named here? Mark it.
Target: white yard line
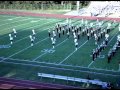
(28, 18)
(4, 61)
(15, 21)
(25, 48)
(36, 33)
(2, 15)
(34, 65)
(58, 64)
(9, 18)
(72, 52)
(90, 64)
(23, 18)
(23, 29)
(47, 52)
(50, 49)
(113, 37)
(108, 43)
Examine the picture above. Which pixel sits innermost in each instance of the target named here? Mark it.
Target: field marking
(47, 52)
(2, 15)
(12, 28)
(90, 64)
(72, 52)
(50, 49)
(15, 21)
(108, 43)
(60, 64)
(26, 48)
(23, 18)
(10, 18)
(31, 18)
(14, 18)
(68, 65)
(36, 33)
(33, 21)
(22, 30)
(34, 65)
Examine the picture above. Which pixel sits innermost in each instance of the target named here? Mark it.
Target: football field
(21, 60)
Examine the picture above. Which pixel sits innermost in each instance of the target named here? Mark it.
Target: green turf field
(24, 62)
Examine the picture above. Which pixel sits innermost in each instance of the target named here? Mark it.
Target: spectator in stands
(112, 86)
(88, 77)
(108, 86)
(104, 86)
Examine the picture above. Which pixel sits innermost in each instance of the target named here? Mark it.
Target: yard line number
(48, 50)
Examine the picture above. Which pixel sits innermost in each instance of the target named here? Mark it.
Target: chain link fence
(38, 6)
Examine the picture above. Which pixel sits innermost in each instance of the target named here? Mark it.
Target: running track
(33, 84)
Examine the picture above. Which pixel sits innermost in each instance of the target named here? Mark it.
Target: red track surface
(57, 15)
(33, 84)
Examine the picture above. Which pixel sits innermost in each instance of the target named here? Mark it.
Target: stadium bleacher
(97, 82)
(101, 8)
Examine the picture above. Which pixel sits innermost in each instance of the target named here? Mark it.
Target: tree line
(83, 3)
